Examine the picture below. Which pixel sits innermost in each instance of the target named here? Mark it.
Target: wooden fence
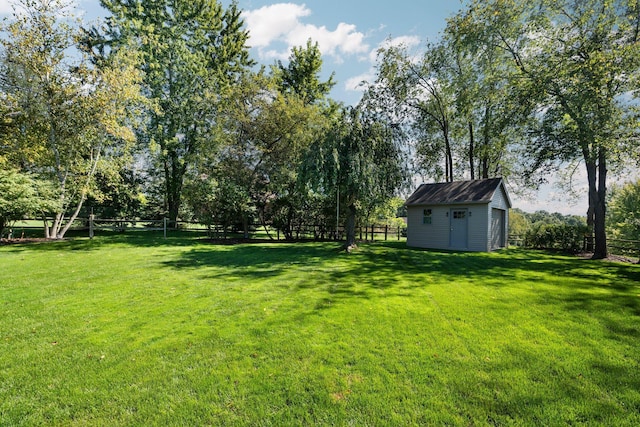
(93, 225)
(615, 246)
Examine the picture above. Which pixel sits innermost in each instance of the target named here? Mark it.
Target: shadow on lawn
(255, 260)
(102, 239)
(392, 269)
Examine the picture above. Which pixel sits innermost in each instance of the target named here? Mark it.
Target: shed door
(458, 233)
(497, 229)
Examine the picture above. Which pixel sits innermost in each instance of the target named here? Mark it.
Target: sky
(348, 33)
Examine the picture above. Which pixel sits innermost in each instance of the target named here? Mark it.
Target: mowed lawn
(133, 330)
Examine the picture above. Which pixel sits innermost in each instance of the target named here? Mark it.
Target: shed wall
(499, 201)
(478, 228)
(434, 235)
(437, 234)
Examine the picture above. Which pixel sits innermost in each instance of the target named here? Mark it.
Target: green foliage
(565, 237)
(72, 118)
(360, 159)
(387, 213)
(576, 64)
(623, 220)
(140, 330)
(219, 202)
(544, 230)
(302, 75)
(117, 194)
(192, 54)
(21, 196)
(519, 224)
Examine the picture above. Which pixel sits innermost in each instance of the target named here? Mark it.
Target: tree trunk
(173, 178)
(597, 176)
(449, 158)
(350, 227)
(245, 225)
(600, 209)
(471, 151)
(46, 227)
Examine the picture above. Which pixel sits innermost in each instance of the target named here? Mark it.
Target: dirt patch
(611, 258)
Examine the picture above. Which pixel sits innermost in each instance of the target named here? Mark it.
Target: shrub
(565, 237)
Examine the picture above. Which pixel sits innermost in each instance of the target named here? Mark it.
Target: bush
(565, 237)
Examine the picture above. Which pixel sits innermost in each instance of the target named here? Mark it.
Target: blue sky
(348, 33)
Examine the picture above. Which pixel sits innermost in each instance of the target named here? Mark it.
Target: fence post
(386, 231)
(164, 220)
(91, 226)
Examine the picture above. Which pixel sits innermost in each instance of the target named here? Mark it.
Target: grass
(133, 330)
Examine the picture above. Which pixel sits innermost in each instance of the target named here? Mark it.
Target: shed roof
(475, 191)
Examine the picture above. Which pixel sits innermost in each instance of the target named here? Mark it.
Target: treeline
(161, 111)
(544, 230)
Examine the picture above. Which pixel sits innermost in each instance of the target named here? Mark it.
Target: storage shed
(465, 215)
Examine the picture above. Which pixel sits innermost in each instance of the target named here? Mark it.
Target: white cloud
(354, 84)
(409, 42)
(282, 23)
(273, 23)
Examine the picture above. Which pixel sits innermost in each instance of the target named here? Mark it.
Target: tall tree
(301, 75)
(72, 118)
(487, 108)
(412, 93)
(269, 132)
(193, 52)
(360, 158)
(579, 60)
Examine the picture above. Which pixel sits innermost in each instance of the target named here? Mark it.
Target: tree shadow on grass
(83, 243)
(391, 266)
(606, 292)
(252, 260)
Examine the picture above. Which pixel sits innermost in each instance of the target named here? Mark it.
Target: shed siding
(478, 228)
(499, 201)
(434, 235)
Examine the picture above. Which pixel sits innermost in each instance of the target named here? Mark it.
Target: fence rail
(92, 225)
(616, 246)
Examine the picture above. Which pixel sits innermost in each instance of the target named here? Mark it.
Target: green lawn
(132, 330)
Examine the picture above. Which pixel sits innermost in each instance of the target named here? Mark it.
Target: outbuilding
(464, 215)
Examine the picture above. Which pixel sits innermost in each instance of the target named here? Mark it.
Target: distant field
(138, 330)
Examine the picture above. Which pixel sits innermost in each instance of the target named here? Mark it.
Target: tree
(193, 52)
(269, 133)
(623, 221)
(361, 160)
(487, 105)
(413, 94)
(302, 75)
(21, 195)
(579, 62)
(72, 118)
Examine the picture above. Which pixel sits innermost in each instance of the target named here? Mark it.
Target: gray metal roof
(475, 191)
